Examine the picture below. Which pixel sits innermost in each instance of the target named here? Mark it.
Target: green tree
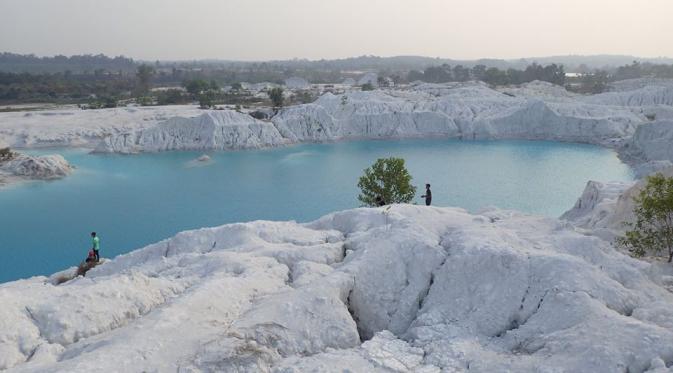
(170, 97)
(461, 73)
(388, 179)
(653, 229)
(196, 86)
(144, 74)
(6, 154)
(479, 72)
(276, 96)
(207, 100)
(495, 76)
(367, 87)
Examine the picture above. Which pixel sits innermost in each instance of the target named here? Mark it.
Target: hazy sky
(281, 29)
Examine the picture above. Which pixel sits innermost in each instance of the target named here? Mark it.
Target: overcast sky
(281, 29)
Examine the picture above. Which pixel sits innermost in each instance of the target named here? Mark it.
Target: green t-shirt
(96, 243)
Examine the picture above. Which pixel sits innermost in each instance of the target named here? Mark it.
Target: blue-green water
(136, 200)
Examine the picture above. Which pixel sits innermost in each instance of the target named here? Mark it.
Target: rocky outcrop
(459, 110)
(25, 167)
(652, 142)
(73, 127)
(603, 208)
(401, 289)
(651, 95)
(213, 130)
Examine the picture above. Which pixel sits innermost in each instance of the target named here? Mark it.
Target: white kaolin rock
(26, 167)
(213, 130)
(533, 111)
(412, 288)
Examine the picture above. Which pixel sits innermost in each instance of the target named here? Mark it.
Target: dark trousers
(428, 201)
(97, 256)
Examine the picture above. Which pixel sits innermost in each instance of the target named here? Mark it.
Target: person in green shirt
(95, 241)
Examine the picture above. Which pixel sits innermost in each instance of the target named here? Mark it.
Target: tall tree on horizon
(144, 74)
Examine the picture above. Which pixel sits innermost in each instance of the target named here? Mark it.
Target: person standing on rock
(427, 195)
(95, 242)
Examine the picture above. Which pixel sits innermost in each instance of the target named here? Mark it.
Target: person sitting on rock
(91, 257)
(379, 201)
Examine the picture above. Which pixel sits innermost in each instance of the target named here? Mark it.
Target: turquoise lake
(135, 200)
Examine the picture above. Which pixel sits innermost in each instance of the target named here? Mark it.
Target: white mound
(604, 207)
(653, 141)
(367, 290)
(463, 111)
(646, 96)
(541, 90)
(25, 167)
(213, 130)
(80, 128)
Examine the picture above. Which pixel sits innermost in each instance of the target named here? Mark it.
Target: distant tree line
(641, 70)
(82, 64)
(62, 87)
(598, 80)
(201, 82)
(492, 75)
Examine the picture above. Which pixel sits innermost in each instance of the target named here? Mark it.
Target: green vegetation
(441, 74)
(276, 96)
(367, 87)
(106, 102)
(95, 81)
(303, 97)
(172, 97)
(207, 99)
(653, 230)
(6, 154)
(196, 87)
(387, 179)
(144, 75)
(591, 83)
(62, 87)
(80, 64)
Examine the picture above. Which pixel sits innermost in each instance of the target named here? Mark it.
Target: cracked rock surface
(412, 288)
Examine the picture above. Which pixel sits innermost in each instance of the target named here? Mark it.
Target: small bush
(367, 87)
(145, 101)
(207, 100)
(171, 97)
(6, 154)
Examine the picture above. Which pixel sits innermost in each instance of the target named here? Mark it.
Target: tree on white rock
(386, 181)
(652, 232)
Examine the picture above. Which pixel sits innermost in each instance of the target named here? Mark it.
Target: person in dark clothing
(380, 202)
(427, 195)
